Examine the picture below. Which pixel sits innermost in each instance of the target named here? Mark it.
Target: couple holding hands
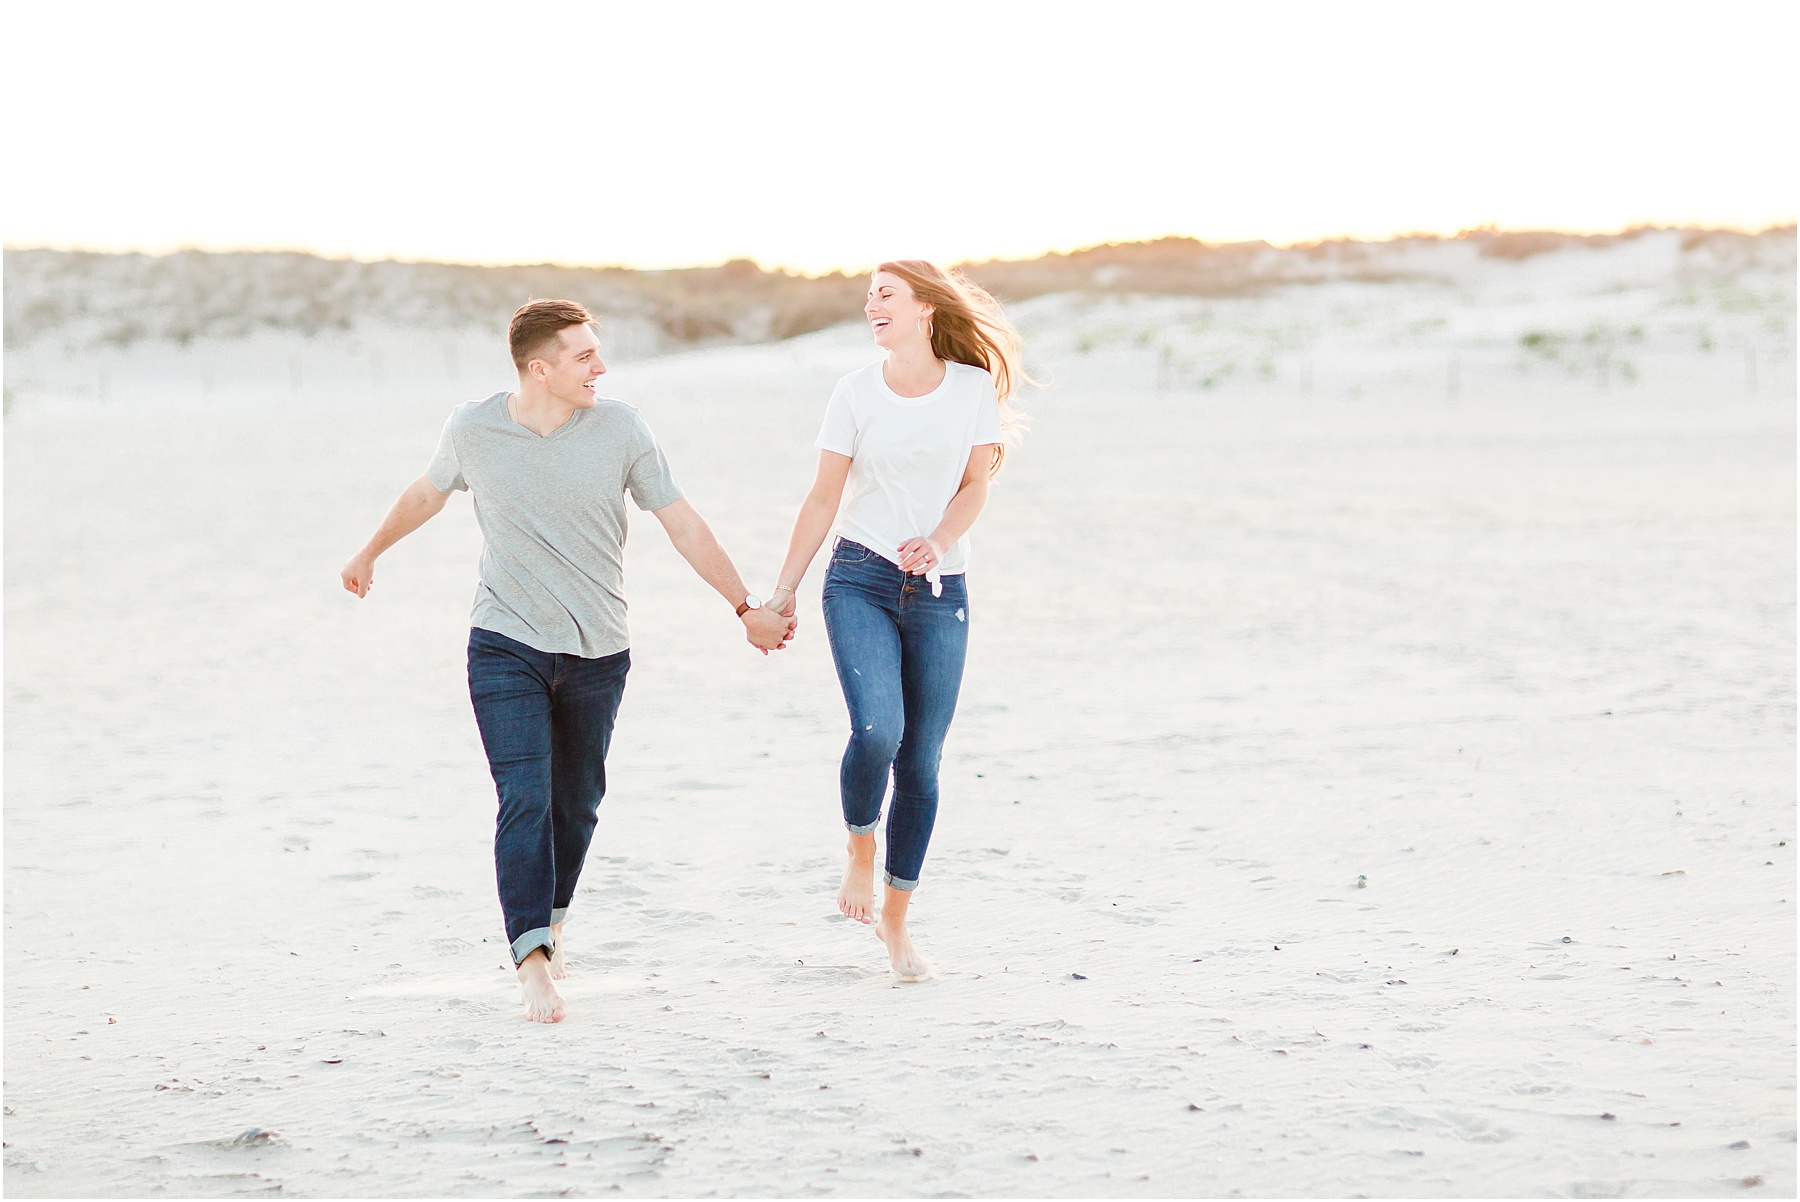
(907, 450)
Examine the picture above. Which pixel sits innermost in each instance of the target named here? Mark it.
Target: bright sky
(820, 135)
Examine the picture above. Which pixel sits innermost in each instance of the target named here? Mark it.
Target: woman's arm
(811, 526)
(920, 555)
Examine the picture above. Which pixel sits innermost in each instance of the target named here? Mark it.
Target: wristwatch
(751, 601)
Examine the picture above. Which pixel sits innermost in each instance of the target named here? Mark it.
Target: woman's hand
(783, 602)
(919, 556)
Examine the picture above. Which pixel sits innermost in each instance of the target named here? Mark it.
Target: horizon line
(1492, 229)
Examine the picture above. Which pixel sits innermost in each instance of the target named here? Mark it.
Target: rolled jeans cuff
(894, 882)
(863, 830)
(529, 942)
(559, 916)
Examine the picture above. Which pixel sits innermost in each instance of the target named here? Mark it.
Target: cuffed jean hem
(529, 942)
(558, 917)
(894, 882)
(863, 830)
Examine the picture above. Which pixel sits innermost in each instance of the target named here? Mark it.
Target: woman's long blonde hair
(969, 326)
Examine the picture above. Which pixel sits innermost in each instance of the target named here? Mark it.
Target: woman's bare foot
(543, 1001)
(857, 896)
(909, 966)
(559, 966)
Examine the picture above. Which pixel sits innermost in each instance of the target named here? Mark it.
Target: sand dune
(1375, 774)
(74, 300)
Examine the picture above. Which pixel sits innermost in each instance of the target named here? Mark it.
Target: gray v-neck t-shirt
(552, 516)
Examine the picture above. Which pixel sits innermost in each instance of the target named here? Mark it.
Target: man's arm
(767, 630)
(417, 505)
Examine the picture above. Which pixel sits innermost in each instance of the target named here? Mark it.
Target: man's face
(571, 365)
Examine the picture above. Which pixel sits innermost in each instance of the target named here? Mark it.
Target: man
(548, 466)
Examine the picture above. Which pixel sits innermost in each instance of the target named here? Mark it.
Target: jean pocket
(847, 552)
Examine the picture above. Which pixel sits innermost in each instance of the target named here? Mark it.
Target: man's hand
(768, 630)
(359, 574)
(413, 508)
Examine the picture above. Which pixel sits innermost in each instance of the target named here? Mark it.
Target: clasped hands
(769, 628)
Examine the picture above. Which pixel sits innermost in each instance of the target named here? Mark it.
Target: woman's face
(895, 314)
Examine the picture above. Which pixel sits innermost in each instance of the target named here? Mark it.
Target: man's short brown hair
(537, 322)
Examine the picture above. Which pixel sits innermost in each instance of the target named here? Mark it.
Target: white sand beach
(1374, 775)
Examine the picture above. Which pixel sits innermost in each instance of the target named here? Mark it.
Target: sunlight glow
(818, 135)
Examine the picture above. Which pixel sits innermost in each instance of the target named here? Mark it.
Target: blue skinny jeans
(546, 722)
(899, 652)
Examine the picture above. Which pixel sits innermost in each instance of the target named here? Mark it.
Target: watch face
(753, 601)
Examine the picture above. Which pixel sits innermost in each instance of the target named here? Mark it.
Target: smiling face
(569, 365)
(895, 314)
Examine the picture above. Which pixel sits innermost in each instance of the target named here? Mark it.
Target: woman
(908, 447)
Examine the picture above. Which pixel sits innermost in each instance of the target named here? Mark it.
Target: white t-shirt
(907, 455)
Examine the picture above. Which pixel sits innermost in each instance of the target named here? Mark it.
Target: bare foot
(857, 896)
(543, 1001)
(908, 965)
(559, 967)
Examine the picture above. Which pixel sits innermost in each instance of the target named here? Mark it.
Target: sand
(1373, 777)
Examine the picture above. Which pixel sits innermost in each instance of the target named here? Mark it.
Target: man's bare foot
(543, 1001)
(559, 966)
(857, 896)
(908, 965)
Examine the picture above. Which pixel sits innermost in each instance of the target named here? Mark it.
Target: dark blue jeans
(546, 721)
(899, 653)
